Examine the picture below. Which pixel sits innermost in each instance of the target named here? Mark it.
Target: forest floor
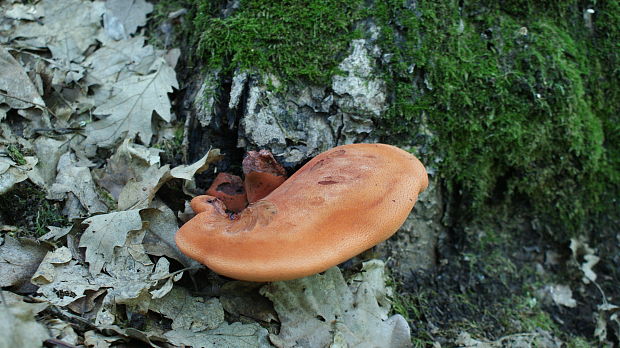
(94, 180)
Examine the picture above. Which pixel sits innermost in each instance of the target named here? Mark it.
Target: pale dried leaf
(77, 180)
(11, 173)
(606, 312)
(586, 268)
(69, 282)
(166, 288)
(130, 161)
(138, 194)
(188, 312)
(600, 332)
(149, 336)
(49, 151)
(146, 156)
(128, 112)
(465, 340)
(55, 233)
(562, 295)
(129, 280)
(18, 327)
(106, 232)
(132, 277)
(162, 272)
(315, 309)
(539, 338)
(15, 82)
(7, 297)
(24, 11)
(159, 239)
(129, 283)
(226, 335)
(67, 29)
(122, 18)
(46, 272)
(105, 64)
(172, 57)
(62, 330)
(19, 260)
(3, 110)
(243, 298)
(187, 172)
(96, 340)
(580, 248)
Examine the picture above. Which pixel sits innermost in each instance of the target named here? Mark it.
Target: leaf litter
(81, 87)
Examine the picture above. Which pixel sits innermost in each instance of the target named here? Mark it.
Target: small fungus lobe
(230, 190)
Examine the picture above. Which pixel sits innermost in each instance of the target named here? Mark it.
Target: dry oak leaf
(128, 112)
(122, 18)
(19, 259)
(77, 180)
(106, 63)
(18, 327)
(14, 82)
(322, 310)
(106, 232)
(68, 28)
(11, 173)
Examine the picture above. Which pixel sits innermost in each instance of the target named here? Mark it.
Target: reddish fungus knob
(340, 203)
(263, 174)
(229, 189)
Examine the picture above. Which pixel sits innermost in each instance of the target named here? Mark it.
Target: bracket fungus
(340, 203)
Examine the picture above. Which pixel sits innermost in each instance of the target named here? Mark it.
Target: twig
(82, 323)
(54, 341)
(179, 271)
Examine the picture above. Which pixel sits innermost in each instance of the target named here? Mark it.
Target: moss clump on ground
(514, 99)
(25, 206)
(294, 39)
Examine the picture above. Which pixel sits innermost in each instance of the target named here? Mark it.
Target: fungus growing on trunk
(340, 203)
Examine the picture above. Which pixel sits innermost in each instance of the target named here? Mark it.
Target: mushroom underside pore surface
(340, 203)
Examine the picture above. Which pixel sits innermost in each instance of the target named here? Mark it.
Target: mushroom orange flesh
(263, 174)
(340, 203)
(229, 189)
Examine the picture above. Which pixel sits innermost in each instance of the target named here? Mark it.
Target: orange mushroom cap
(229, 189)
(263, 174)
(342, 202)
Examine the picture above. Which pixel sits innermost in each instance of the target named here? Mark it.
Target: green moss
(16, 155)
(166, 33)
(26, 207)
(294, 39)
(173, 148)
(579, 342)
(510, 101)
(522, 95)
